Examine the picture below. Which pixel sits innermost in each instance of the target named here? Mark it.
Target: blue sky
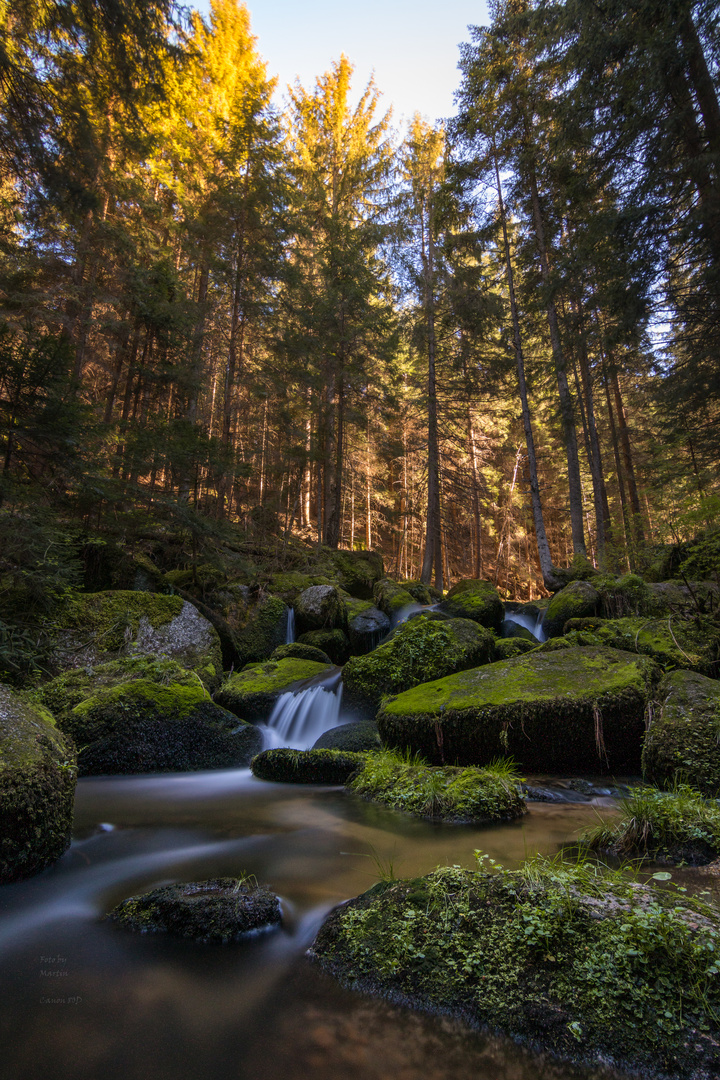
(412, 45)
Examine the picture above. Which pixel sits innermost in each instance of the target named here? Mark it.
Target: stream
(84, 999)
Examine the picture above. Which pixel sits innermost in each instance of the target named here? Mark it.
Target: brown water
(83, 999)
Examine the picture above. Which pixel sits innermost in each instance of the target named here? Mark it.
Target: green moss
(113, 618)
(360, 737)
(297, 651)
(64, 692)
(507, 648)
(453, 794)
(37, 788)
(335, 643)
(252, 692)
(577, 600)
(264, 630)
(578, 709)
(683, 741)
(477, 600)
(576, 961)
(391, 597)
(677, 826)
(306, 766)
(420, 650)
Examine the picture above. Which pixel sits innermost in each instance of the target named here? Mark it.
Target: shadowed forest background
(482, 347)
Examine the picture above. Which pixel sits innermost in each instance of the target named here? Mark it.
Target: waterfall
(290, 632)
(533, 623)
(300, 717)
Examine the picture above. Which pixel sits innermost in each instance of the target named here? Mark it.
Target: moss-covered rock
(100, 627)
(683, 741)
(421, 593)
(252, 692)
(367, 626)
(320, 608)
(37, 788)
(575, 710)
(216, 911)
(333, 642)
(392, 598)
(359, 571)
(506, 648)
(446, 792)
(419, 650)
(573, 961)
(296, 650)
(360, 737)
(576, 601)
(286, 766)
(477, 600)
(264, 629)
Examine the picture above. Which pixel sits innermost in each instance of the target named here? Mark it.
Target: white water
(299, 718)
(290, 632)
(533, 623)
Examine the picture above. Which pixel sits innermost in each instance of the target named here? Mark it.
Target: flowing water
(533, 623)
(83, 999)
(300, 716)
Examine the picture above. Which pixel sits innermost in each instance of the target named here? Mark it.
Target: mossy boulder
(320, 608)
(100, 627)
(421, 593)
(506, 648)
(477, 600)
(358, 571)
(141, 716)
(287, 766)
(575, 710)
(252, 692)
(576, 962)
(335, 643)
(37, 788)
(392, 598)
(360, 737)
(367, 625)
(218, 911)
(419, 650)
(683, 741)
(265, 628)
(576, 601)
(446, 792)
(296, 650)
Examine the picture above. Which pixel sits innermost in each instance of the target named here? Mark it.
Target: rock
(359, 571)
(421, 593)
(419, 650)
(287, 766)
(333, 642)
(671, 597)
(506, 648)
(297, 651)
(145, 716)
(575, 710)
(477, 600)
(448, 793)
(320, 608)
(593, 970)
(37, 788)
(216, 911)
(367, 626)
(264, 629)
(511, 629)
(683, 741)
(361, 737)
(392, 598)
(252, 692)
(100, 627)
(576, 601)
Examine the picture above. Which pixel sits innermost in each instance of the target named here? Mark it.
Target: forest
(481, 346)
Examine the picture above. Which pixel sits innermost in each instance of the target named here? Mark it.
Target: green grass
(653, 823)
(404, 781)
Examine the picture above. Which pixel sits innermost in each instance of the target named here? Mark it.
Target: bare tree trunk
(638, 530)
(433, 540)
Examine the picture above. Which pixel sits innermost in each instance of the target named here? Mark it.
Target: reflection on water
(85, 999)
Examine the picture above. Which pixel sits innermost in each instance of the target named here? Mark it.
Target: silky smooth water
(84, 999)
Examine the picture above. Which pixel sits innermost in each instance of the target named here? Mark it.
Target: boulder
(335, 643)
(100, 627)
(506, 648)
(320, 608)
(367, 626)
(37, 788)
(297, 651)
(392, 598)
(580, 964)
(477, 600)
(216, 911)
(576, 710)
(683, 741)
(265, 628)
(360, 737)
(145, 716)
(285, 766)
(419, 650)
(358, 571)
(252, 692)
(577, 600)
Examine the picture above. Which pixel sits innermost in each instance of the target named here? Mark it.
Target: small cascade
(404, 613)
(533, 623)
(299, 718)
(290, 632)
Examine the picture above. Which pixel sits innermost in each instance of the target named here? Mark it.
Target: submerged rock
(477, 600)
(573, 961)
(420, 650)
(252, 692)
(683, 741)
(575, 710)
(37, 788)
(219, 910)
(288, 766)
